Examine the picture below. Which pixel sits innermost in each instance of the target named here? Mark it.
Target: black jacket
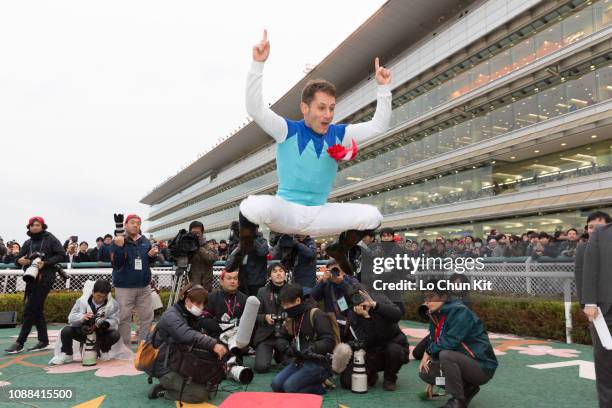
(104, 253)
(256, 267)
(177, 326)
(269, 303)
(220, 303)
(382, 327)
(52, 248)
(319, 339)
(305, 268)
(81, 257)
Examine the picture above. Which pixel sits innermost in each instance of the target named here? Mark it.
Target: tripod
(181, 276)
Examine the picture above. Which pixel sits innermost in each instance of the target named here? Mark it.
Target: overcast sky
(101, 101)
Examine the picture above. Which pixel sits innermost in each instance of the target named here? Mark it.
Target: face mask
(477, 244)
(295, 311)
(194, 310)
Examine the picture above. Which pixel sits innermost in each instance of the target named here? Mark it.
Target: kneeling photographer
(38, 258)
(307, 334)
(374, 323)
(270, 320)
(459, 356)
(93, 320)
(178, 340)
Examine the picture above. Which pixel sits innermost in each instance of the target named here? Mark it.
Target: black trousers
(264, 352)
(33, 312)
(459, 371)
(104, 338)
(388, 358)
(603, 370)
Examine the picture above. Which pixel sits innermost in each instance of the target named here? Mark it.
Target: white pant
(290, 218)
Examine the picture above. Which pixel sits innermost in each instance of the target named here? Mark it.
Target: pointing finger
(265, 35)
(376, 64)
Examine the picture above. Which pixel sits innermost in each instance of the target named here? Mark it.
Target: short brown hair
(317, 85)
(195, 293)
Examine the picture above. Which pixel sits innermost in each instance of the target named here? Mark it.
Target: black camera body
(97, 321)
(185, 244)
(357, 344)
(279, 320)
(35, 255)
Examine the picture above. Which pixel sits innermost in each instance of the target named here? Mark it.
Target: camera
(278, 320)
(97, 321)
(184, 244)
(335, 271)
(90, 351)
(31, 273)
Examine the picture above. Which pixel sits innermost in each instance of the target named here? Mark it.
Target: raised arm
(380, 122)
(273, 124)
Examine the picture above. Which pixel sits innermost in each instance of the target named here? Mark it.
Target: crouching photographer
(93, 320)
(373, 321)
(185, 364)
(38, 257)
(306, 335)
(270, 320)
(459, 355)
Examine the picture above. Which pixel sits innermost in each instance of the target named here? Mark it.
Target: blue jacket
(123, 260)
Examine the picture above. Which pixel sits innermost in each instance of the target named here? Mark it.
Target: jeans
(306, 378)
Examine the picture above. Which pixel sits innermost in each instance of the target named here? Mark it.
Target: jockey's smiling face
(319, 113)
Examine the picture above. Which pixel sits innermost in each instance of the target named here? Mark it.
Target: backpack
(332, 320)
(146, 353)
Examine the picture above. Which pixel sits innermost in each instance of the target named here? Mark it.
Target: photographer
(97, 312)
(459, 350)
(227, 303)
(176, 328)
(375, 324)
(202, 261)
(46, 250)
(252, 272)
(298, 254)
(302, 336)
(335, 288)
(130, 258)
(270, 320)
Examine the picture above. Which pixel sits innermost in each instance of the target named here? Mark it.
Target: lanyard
(438, 331)
(230, 312)
(297, 332)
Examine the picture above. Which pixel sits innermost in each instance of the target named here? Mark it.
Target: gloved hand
(119, 229)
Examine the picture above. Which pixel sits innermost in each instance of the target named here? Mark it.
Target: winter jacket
(269, 303)
(318, 337)
(123, 260)
(305, 263)
(455, 327)
(330, 293)
(201, 271)
(46, 243)
(256, 268)
(177, 327)
(84, 305)
(220, 303)
(382, 327)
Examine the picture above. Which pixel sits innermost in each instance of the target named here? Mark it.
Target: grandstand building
(502, 119)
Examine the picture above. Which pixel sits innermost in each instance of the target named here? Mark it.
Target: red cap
(397, 238)
(130, 216)
(36, 218)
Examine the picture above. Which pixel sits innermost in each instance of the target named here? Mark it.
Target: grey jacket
(176, 326)
(111, 312)
(597, 270)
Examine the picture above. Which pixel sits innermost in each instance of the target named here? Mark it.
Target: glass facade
(566, 32)
(496, 179)
(566, 97)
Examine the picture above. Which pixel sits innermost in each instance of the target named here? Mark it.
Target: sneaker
(39, 346)
(14, 348)
(156, 391)
(389, 385)
(328, 384)
(60, 359)
(104, 356)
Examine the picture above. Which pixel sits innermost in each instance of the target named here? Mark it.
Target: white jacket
(111, 312)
